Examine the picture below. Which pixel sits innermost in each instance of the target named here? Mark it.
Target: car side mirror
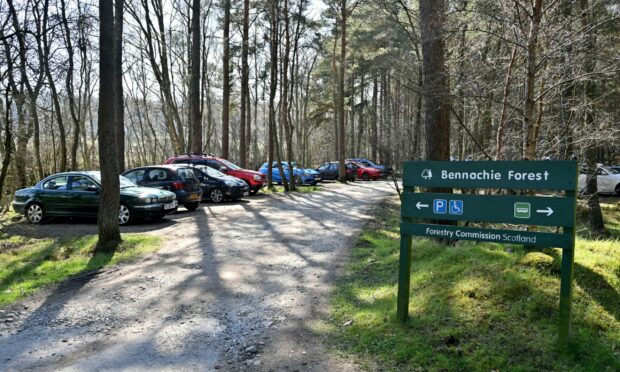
(92, 188)
(223, 169)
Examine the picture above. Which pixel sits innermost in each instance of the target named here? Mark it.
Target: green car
(76, 194)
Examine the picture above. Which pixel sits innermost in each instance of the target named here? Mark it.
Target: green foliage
(300, 189)
(27, 265)
(476, 306)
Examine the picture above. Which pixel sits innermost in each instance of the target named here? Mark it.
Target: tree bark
(529, 138)
(342, 175)
(436, 85)
(109, 233)
(196, 116)
(226, 82)
(119, 102)
(245, 90)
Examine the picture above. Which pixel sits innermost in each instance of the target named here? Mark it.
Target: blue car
(301, 177)
(385, 171)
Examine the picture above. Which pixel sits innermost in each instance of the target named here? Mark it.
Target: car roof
(165, 166)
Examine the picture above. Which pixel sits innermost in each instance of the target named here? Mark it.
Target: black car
(180, 179)
(76, 194)
(329, 171)
(217, 187)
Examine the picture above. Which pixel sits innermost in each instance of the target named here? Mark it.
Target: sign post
(473, 207)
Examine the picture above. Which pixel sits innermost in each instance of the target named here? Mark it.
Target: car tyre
(254, 191)
(617, 191)
(216, 195)
(124, 215)
(35, 213)
(191, 206)
(366, 176)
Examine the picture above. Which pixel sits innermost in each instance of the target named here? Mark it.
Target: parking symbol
(456, 207)
(440, 206)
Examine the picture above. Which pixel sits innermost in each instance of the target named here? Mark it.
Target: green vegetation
(27, 265)
(300, 189)
(477, 306)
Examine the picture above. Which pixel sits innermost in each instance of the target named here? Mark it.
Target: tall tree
(226, 82)
(436, 85)
(196, 115)
(109, 202)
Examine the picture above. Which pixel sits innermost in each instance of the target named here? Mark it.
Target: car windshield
(124, 181)
(212, 172)
(609, 170)
(230, 165)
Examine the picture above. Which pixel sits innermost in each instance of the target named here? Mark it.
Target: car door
(333, 171)
(158, 178)
(322, 169)
(84, 194)
(54, 196)
(604, 181)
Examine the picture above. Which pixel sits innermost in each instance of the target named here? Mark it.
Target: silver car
(608, 180)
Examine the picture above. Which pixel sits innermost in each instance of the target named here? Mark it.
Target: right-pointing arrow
(547, 211)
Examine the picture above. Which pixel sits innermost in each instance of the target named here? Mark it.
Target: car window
(600, 172)
(186, 174)
(214, 163)
(56, 183)
(323, 166)
(180, 161)
(333, 166)
(81, 183)
(157, 175)
(135, 176)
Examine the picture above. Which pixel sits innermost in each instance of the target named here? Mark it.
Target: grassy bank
(477, 306)
(27, 265)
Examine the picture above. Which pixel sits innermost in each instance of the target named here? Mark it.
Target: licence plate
(194, 197)
(172, 205)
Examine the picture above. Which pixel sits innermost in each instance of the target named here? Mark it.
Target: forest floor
(236, 286)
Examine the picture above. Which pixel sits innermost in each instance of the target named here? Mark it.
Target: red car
(365, 173)
(254, 179)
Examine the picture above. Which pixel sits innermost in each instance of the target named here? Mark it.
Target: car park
(329, 171)
(300, 177)
(218, 187)
(364, 172)
(76, 194)
(254, 179)
(180, 179)
(607, 180)
(384, 170)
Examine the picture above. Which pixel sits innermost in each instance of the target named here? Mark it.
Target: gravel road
(238, 286)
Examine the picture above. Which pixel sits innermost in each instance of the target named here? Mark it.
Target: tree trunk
(196, 116)
(375, 116)
(119, 105)
(245, 90)
(226, 82)
(529, 138)
(436, 86)
(273, 86)
(342, 175)
(284, 109)
(109, 233)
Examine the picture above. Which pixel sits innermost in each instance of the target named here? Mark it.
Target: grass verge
(477, 306)
(300, 189)
(27, 265)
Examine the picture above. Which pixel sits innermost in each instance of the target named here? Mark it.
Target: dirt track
(237, 286)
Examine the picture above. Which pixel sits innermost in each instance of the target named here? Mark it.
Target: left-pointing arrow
(419, 205)
(547, 211)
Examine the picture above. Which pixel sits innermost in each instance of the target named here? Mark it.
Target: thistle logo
(427, 174)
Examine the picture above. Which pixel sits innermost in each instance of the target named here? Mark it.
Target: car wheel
(124, 215)
(254, 191)
(366, 176)
(35, 214)
(216, 195)
(617, 192)
(191, 206)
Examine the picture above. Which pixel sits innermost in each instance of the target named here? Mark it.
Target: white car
(608, 181)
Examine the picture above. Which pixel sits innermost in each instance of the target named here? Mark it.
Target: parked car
(607, 180)
(329, 171)
(180, 179)
(385, 171)
(364, 172)
(76, 194)
(310, 172)
(217, 187)
(254, 179)
(300, 177)
(616, 168)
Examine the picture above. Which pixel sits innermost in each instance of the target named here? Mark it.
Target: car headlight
(257, 177)
(147, 199)
(230, 183)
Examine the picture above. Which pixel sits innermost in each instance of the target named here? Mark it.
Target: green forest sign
(436, 214)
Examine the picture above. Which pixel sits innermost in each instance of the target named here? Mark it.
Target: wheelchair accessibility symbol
(456, 207)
